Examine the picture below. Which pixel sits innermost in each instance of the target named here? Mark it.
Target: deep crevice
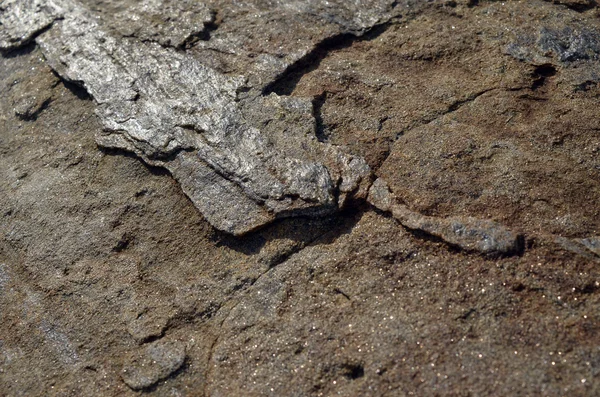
(203, 35)
(154, 170)
(14, 52)
(541, 74)
(26, 46)
(287, 81)
(76, 88)
(578, 7)
(353, 371)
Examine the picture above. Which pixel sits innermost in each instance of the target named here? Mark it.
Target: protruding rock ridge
(174, 112)
(471, 234)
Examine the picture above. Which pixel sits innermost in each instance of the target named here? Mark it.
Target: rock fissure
(286, 82)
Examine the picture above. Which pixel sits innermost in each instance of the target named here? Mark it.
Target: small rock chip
(147, 327)
(573, 246)
(380, 196)
(152, 363)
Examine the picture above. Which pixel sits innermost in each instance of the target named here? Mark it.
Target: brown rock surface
(480, 110)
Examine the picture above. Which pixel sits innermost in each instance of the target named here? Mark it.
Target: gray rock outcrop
(174, 112)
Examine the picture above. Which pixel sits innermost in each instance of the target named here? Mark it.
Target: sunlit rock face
(175, 112)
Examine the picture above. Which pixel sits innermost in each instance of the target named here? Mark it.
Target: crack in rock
(242, 162)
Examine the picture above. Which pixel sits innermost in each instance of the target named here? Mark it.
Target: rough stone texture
(592, 244)
(460, 109)
(154, 362)
(174, 112)
(471, 234)
(21, 20)
(170, 23)
(468, 233)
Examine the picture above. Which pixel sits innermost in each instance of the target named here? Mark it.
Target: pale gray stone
(380, 196)
(174, 112)
(471, 234)
(592, 244)
(21, 20)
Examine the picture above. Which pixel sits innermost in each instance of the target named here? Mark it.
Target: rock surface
(154, 362)
(174, 112)
(384, 126)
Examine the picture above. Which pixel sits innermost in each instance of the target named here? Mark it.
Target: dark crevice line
(453, 107)
(203, 35)
(287, 81)
(577, 7)
(541, 74)
(320, 127)
(458, 104)
(76, 88)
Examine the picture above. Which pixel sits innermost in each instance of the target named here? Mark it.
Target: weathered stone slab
(174, 112)
(469, 233)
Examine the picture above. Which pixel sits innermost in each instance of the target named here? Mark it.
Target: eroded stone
(21, 20)
(152, 363)
(592, 244)
(174, 112)
(472, 234)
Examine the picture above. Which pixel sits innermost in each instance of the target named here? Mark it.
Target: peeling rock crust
(174, 112)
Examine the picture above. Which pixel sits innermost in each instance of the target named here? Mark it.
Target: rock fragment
(172, 23)
(576, 246)
(592, 244)
(557, 45)
(174, 112)
(471, 234)
(380, 196)
(147, 327)
(574, 48)
(152, 363)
